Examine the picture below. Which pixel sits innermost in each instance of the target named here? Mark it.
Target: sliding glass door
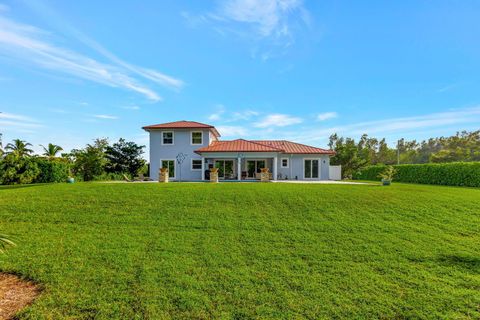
(225, 169)
(253, 167)
(311, 167)
(170, 165)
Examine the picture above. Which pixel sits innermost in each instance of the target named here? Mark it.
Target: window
(170, 164)
(284, 162)
(311, 168)
(196, 164)
(197, 137)
(167, 137)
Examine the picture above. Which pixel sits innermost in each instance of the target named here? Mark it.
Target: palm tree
(51, 150)
(5, 242)
(19, 148)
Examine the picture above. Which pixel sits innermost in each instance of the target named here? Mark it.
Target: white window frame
(191, 138)
(191, 164)
(174, 167)
(281, 163)
(173, 139)
(319, 168)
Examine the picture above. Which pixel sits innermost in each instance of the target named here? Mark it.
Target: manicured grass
(152, 251)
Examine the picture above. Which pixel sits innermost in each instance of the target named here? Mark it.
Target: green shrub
(18, 170)
(449, 174)
(52, 170)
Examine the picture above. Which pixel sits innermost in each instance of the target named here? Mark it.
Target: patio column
(275, 160)
(203, 169)
(239, 169)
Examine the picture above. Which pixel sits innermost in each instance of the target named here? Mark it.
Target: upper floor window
(167, 137)
(197, 137)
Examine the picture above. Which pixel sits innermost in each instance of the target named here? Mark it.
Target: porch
(239, 169)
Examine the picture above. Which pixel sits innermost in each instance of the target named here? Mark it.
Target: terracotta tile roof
(239, 145)
(283, 146)
(293, 147)
(183, 125)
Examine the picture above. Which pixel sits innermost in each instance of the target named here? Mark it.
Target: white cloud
(277, 120)
(244, 115)
(232, 131)
(29, 44)
(17, 122)
(326, 115)
(402, 125)
(131, 108)
(217, 115)
(105, 116)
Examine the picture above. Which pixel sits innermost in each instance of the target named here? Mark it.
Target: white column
(239, 168)
(275, 160)
(203, 168)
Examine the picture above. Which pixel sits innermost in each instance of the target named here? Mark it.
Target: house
(189, 149)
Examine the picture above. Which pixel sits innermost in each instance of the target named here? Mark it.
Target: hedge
(450, 174)
(52, 170)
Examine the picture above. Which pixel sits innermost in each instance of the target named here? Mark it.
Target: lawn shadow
(21, 186)
(468, 263)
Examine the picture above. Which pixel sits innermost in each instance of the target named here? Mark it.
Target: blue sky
(272, 69)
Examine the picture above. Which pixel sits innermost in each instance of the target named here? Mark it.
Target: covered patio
(239, 168)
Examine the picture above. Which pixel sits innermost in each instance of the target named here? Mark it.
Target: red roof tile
(183, 125)
(293, 147)
(239, 145)
(283, 146)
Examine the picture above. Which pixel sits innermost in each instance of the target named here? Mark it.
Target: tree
(124, 157)
(19, 148)
(18, 170)
(51, 150)
(90, 162)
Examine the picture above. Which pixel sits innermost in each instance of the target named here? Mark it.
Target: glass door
(253, 167)
(170, 164)
(225, 169)
(311, 167)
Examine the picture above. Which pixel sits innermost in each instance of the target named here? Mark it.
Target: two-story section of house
(190, 149)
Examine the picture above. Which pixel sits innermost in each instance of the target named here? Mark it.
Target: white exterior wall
(182, 144)
(296, 165)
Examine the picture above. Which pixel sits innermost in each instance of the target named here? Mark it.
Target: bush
(52, 170)
(18, 170)
(450, 174)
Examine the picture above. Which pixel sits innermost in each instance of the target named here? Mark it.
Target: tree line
(96, 161)
(354, 155)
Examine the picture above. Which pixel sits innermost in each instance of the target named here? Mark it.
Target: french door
(311, 167)
(225, 169)
(170, 164)
(253, 167)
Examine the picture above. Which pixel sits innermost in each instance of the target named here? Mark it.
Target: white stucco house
(189, 149)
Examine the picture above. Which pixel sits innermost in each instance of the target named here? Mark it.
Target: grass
(241, 251)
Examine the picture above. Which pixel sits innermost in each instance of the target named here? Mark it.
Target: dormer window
(167, 137)
(197, 137)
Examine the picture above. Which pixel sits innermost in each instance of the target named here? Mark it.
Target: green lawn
(242, 251)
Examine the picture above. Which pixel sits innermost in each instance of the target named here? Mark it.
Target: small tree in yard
(124, 157)
(90, 162)
(387, 175)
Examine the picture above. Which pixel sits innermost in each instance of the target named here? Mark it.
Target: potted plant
(387, 175)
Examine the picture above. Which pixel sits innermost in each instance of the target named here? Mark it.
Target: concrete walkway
(320, 182)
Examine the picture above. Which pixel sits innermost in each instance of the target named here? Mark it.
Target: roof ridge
(262, 144)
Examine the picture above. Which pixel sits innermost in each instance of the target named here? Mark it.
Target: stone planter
(214, 175)
(386, 182)
(163, 176)
(70, 180)
(264, 175)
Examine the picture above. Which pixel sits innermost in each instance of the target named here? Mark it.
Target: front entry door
(225, 169)
(253, 167)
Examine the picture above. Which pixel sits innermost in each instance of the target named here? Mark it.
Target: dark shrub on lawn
(52, 170)
(450, 174)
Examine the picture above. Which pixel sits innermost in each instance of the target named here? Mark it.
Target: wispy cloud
(18, 123)
(29, 44)
(326, 116)
(232, 131)
(277, 120)
(402, 125)
(217, 115)
(131, 108)
(272, 22)
(105, 116)
(448, 87)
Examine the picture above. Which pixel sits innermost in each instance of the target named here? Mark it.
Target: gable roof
(183, 124)
(294, 147)
(238, 145)
(283, 146)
